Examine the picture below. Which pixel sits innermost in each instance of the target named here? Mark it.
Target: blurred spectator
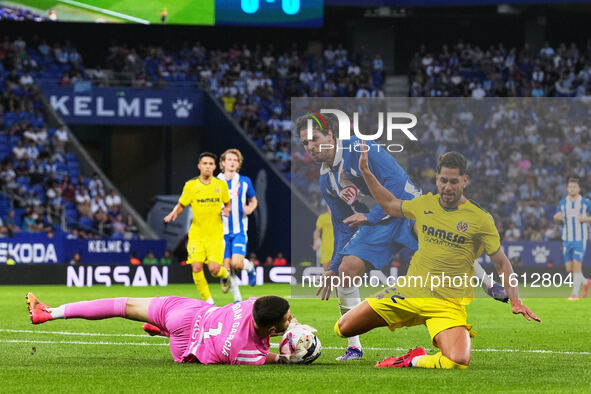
(11, 222)
(512, 233)
(150, 259)
(112, 200)
(254, 259)
(166, 258)
(131, 229)
(76, 259)
(60, 139)
(279, 260)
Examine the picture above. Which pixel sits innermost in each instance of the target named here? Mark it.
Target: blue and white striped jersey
(346, 192)
(241, 190)
(572, 228)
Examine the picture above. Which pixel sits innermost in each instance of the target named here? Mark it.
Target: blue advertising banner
(529, 253)
(26, 248)
(122, 106)
(32, 248)
(111, 251)
(526, 254)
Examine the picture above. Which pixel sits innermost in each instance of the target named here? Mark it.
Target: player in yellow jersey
(452, 232)
(205, 194)
(324, 238)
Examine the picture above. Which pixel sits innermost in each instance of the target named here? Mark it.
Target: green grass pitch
(190, 12)
(510, 354)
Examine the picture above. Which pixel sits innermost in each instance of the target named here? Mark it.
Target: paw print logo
(540, 254)
(182, 108)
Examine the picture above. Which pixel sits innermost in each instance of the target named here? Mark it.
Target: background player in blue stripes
(574, 211)
(243, 201)
(363, 232)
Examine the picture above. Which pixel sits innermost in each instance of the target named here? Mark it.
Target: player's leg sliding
(418, 358)
(348, 299)
(90, 310)
(202, 286)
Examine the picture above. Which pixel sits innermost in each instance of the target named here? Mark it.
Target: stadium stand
(255, 85)
(520, 161)
(465, 70)
(43, 187)
(19, 14)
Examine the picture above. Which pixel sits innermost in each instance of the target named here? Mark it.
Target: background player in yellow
(205, 194)
(324, 238)
(452, 233)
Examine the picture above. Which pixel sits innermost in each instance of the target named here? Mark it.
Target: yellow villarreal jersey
(206, 202)
(324, 222)
(449, 242)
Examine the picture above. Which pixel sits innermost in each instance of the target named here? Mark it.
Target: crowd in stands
(521, 154)
(524, 154)
(42, 186)
(467, 70)
(255, 84)
(19, 14)
(518, 166)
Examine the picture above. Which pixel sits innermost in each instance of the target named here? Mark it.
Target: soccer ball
(300, 346)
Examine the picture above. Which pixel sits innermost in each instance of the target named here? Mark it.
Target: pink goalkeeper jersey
(225, 335)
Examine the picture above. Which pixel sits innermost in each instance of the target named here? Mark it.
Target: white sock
(414, 361)
(482, 275)
(577, 283)
(248, 266)
(234, 288)
(57, 312)
(210, 301)
(349, 298)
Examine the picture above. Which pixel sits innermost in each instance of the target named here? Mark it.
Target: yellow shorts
(201, 250)
(438, 314)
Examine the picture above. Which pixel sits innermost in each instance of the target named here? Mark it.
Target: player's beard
(451, 199)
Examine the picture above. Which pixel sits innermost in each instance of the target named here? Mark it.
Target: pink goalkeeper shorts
(175, 316)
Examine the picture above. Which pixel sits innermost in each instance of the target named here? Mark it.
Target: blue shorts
(573, 250)
(379, 243)
(235, 244)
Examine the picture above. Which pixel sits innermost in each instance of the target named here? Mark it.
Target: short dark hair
(269, 310)
(452, 160)
(208, 154)
(573, 179)
(320, 122)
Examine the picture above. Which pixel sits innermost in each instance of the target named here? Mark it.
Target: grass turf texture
(64, 367)
(190, 12)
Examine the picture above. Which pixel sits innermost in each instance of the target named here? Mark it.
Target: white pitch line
(90, 334)
(83, 343)
(104, 11)
(273, 345)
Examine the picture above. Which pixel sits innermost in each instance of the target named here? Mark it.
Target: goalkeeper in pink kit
(199, 332)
